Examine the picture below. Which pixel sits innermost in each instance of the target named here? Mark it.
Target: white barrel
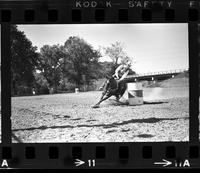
(135, 93)
(76, 90)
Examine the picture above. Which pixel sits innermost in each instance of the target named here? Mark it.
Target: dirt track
(70, 118)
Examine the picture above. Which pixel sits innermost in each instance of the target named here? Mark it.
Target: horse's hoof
(95, 106)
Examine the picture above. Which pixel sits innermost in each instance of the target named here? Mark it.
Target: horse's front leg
(97, 104)
(103, 94)
(101, 100)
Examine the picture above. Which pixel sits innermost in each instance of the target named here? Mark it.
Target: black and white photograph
(0, 83)
(82, 83)
(199, 72)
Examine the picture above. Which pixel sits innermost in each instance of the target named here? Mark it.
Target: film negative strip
(100, 84)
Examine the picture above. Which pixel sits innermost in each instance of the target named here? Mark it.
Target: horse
(113, 88)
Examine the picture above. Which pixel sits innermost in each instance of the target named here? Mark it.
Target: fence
(159, 73)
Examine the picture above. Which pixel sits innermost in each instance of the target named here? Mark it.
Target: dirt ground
(70, 118)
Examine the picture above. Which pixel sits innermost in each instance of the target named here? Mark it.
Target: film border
(182, 149)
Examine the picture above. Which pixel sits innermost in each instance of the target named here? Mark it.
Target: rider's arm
(124, 75)
(117, 70)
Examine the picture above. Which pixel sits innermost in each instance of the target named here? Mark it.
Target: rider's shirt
(121, 72)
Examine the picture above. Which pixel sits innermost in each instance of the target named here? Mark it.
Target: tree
(118, 55)
(41, 84)
(23, 62)
(83, 60)
(49, 65)
(106, 68)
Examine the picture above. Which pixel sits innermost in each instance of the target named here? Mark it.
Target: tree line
(59, 68)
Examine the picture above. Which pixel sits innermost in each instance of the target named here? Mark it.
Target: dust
(155, 94)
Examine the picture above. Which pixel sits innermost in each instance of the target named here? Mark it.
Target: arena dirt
(70, 118)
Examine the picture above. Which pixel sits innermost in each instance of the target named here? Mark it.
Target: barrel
(76, 90)
(135, 93)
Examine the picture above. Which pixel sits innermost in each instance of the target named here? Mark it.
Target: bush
(42, 90)
(24, 90)
(69, 87)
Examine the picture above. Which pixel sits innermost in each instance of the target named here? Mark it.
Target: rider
(120, 73)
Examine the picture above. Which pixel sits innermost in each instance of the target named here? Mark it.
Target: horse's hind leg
(122, 92)
(123, 87)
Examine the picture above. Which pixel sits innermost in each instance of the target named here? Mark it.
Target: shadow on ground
(145, 136)
(105, 126)
(119, 103)
(154, 103)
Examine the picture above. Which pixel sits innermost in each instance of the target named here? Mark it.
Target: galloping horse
(113, 88)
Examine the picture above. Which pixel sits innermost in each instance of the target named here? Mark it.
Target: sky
(153, 47)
